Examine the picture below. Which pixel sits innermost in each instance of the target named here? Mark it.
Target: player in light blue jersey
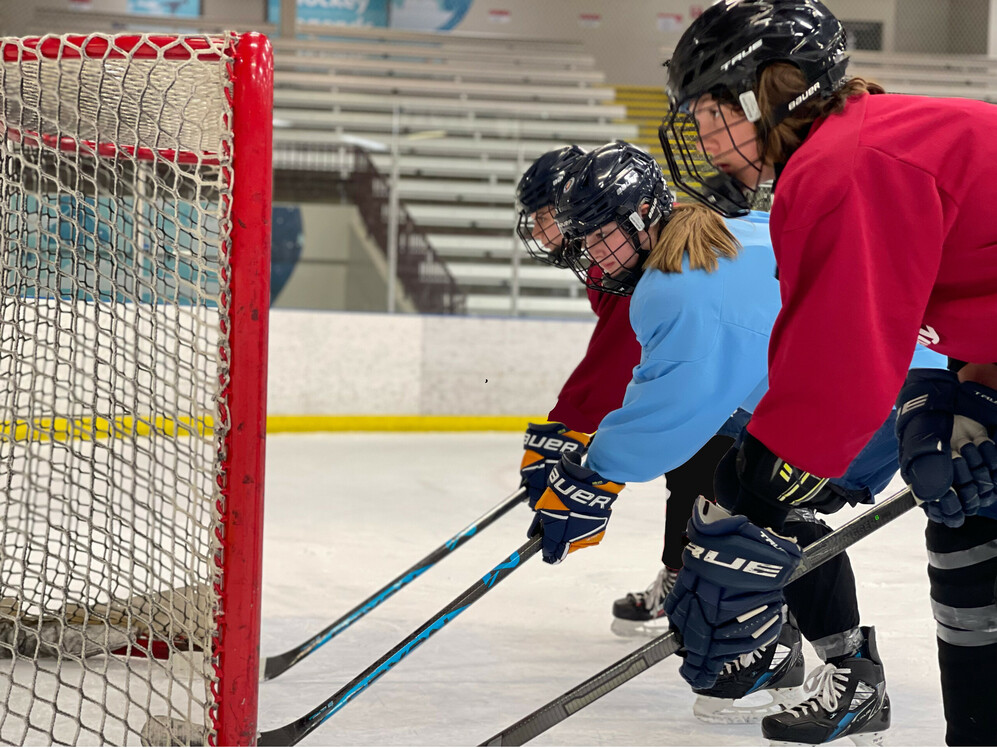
(705, 297)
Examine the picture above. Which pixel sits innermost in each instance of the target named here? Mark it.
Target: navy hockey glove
(544, 443)
(728, 599)
(574, 510)
(947, 454)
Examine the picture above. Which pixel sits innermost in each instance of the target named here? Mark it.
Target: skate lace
(742, 662)
(827, 683)
(655, 594)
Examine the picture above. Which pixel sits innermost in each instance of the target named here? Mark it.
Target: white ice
(348, 512)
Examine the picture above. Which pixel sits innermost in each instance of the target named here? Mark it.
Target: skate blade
(639, 629)
(861, 739)
(868, 738)
(748, 710)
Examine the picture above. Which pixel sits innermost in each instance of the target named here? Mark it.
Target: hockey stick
(292, 733)
(271, 667)
(655, 651)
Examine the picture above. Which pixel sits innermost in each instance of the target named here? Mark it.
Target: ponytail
(697, 231)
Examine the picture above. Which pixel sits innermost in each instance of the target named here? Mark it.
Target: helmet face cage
(535, 197)
(615, 193)
(694, 168)
(611, 258)
(540, 235)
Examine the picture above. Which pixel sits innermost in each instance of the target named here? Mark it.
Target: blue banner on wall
(338, 12)
(181, 8)
(428, 15)
(111, 249)
(287, 238)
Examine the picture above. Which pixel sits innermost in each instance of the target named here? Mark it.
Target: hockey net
(134, 277)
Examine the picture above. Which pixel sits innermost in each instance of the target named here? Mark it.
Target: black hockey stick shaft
(668, 644)
(271, 667)
(292, 733)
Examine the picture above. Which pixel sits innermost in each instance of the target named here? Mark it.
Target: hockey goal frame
(249, 61)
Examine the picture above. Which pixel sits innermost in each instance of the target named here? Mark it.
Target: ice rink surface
(346, 513)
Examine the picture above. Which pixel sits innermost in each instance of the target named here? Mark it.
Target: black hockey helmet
(732, 42)
(609, 185)
(723, 54)
(537, 190)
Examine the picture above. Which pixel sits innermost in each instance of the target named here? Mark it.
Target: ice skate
(757, 684)
(848, 700)
(643, 613)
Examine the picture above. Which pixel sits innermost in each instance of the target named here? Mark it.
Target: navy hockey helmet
(535, 198)
(610, 185)
(722, 54)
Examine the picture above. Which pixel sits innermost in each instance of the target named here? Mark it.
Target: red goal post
(135, 197)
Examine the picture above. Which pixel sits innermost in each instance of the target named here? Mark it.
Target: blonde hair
(692, 230)
(782, 82)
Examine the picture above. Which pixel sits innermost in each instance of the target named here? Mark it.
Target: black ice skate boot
(643, 613)
(762, 682)
(849, 700)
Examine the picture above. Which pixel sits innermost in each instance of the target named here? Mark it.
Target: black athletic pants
(685, 483)
(962, 569)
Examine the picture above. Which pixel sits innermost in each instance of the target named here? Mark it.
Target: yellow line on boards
(88, 429)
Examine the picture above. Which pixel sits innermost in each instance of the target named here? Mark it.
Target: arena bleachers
(465, 118)
(968, 76)
(458, 117)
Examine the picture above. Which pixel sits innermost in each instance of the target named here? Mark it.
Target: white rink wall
(338, 363)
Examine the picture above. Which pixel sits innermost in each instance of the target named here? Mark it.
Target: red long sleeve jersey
(884, 226)
(600, 380)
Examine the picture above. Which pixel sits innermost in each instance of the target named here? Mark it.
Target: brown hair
(782, 82)
(697, 231)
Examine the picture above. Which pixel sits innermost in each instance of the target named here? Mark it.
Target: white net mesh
(113, 350)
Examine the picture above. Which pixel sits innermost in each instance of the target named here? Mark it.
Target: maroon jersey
(597, 384)
(884, 227)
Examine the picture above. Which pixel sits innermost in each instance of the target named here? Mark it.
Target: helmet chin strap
(628, 277)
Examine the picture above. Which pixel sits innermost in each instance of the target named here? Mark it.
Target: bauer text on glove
(574, 510)
(543, 445)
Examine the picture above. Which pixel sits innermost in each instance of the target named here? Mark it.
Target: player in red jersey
(883, 230)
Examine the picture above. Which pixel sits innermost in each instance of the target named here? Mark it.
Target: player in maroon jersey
(883, 228)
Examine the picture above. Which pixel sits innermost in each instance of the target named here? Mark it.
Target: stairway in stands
(645, 106)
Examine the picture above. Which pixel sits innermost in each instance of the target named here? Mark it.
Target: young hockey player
(703, 311)
(595, 388)
(883, 232)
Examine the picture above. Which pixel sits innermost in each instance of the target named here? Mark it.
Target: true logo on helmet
(741, 55)
(567, 185)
